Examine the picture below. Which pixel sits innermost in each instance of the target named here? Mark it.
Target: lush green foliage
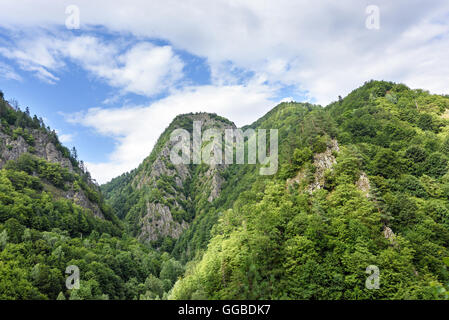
(33, 264)
(384, 202)
(281, 241)
(43, 231)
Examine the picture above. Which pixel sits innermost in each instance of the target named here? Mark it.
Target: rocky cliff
(169, 194)
(11, 147)
(20, 135)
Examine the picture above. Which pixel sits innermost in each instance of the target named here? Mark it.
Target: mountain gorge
(361, 182)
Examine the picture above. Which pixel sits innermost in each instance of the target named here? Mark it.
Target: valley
(361, 182)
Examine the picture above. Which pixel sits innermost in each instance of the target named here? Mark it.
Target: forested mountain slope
(52, 215)
(362, 182)
(159, 200)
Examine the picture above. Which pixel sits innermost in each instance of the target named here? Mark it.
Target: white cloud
(147, 69)
(323, 48)
(287, 99)
(143, 69)
(136, 129)
(66, 138)
(38, 57)
(7, 72)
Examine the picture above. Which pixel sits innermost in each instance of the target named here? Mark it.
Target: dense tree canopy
(362, 182)
(280, 240)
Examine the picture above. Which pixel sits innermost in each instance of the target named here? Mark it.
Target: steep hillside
(200, 193)
(26, 145)
(239, 178)
(159, 200)
(52, 216)
(363, 182)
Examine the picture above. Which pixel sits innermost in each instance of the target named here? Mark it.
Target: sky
(109, 77)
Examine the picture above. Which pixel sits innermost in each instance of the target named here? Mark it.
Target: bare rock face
(363, 184)
(53, 155)
(216, 181)
(80, 198)
(11, 149)
(158, 221)
(389, 235)
(322, 162)
(43, 147)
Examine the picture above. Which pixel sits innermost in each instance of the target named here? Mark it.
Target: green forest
(361, 182)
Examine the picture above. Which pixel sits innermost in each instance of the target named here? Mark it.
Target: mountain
(27, 146)
(53, 219)
(358, 208)
(159, 199)
(363, 187)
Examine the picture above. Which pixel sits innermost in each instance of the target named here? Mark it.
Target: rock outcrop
(389, 235)
(42, 146)
(164, 215)
(363, 184)
(80, 198)
(322, 162)
(158, 222)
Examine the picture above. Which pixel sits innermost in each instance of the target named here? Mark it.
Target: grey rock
(157, 221)
(322, 162)
(363, 184)
(43, 147)
(11, 149)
